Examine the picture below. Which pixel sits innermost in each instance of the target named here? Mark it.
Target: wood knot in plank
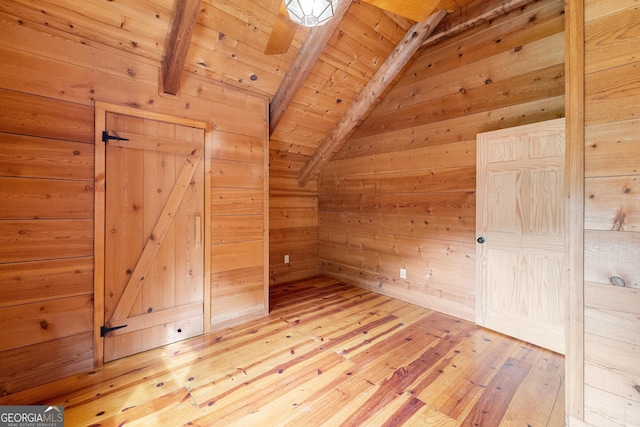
(620, 219)
(618, 281)
(402, 372)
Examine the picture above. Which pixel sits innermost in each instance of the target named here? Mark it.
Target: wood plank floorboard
(328, 354)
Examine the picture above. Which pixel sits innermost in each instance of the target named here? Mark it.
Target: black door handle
(481, 240)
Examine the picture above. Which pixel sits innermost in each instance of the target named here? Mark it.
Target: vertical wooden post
(98, 236)
(574, 178)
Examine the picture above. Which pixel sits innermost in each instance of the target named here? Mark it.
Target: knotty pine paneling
(612, 203)
(459, 153)
(407, 203)
(234, 174)
(238, 270)
(237, 295)
(238, 201)
(456, 80)
(236, 228)
(365, 37)
(234, 256)
(604, 101)
(34, 157)
(472, 53)
(237, 147)
(89, 16)
(401, 192)
(40, 239)
(228, 45)
(608, 359)
(45, 198)
(514, 89)
(612, 200)
(46, 229)
(452, 130)
(612, 149)
(57, 358)
(437, 180)
(604, 48)
(57, 76)
(605, 309)
(595, 9)
(44, 280)
(457, 229)
(44, 117)
(293, 220)
(52, 75)
(29, 324)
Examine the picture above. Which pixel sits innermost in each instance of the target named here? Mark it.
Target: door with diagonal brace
(154, 222)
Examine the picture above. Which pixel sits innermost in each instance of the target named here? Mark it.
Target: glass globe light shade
(311, 13)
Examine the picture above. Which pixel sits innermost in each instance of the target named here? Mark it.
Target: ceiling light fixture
(311, 13)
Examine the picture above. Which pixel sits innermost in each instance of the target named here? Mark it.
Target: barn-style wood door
(153, 239)
(520, 254)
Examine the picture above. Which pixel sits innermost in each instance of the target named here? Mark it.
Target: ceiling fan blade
(415, 10)
(281, 34)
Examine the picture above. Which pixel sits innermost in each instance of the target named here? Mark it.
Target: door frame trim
(101, 110)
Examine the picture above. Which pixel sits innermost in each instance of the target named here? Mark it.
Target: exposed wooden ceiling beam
(366, 100)
(473, 13)
(177, 46)
(415, 10)
(306, 58)
(282, 33)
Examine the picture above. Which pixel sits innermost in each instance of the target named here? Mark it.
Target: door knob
(481, 240)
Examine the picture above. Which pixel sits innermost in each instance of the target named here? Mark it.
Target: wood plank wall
(49, 80)
(239, 282)
(293, 220)
(324, 97)
(401, 192)
(46, 244)
(612, 213)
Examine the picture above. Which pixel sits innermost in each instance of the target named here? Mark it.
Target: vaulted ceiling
(321, 89)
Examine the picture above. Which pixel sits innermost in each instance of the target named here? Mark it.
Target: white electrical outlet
(403, 273)
(286, 259)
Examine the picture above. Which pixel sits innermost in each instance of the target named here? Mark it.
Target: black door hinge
(105, 330)
(106, 137)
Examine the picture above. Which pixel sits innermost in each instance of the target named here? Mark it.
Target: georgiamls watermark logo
(31, 416)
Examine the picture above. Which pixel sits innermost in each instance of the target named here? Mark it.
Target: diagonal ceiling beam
(177, 46)
(366, 100)
(306, 58)
(471, 14)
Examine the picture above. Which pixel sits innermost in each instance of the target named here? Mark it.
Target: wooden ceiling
(227, 42)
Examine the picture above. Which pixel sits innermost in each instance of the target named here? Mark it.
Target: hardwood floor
(328, 354)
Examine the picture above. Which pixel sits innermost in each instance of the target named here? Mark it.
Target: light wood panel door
(520, 255)
(154, 222)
